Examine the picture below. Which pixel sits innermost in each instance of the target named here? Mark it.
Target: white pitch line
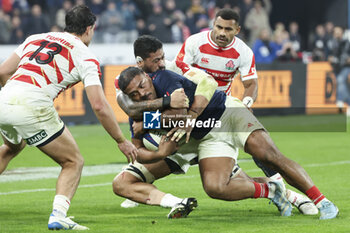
(38, 173)
(52, 189)
(172, 177)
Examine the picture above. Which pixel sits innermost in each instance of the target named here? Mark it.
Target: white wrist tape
(248, 101)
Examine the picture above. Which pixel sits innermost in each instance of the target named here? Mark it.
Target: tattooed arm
(178, 99)
(135, 109)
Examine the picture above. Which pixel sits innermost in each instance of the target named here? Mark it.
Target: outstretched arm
(106, 116)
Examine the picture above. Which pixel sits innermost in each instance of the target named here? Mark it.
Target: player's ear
(238, 28)
(139, 61)
(89, 29)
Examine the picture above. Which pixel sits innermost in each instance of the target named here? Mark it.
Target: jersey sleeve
(90, 71)
(247, 66)
(177, 66)
(187, 52)
(21, 47)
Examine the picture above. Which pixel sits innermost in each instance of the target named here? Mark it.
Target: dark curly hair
(127, 75)
(146, 44)
(78, 19)
(228, 14)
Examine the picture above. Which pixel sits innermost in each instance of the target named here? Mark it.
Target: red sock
(261, 190)
(315, 195)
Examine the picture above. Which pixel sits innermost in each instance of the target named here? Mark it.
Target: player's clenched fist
(179, 99)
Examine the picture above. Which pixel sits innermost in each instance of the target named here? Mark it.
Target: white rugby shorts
(237, 123)
(26, 112)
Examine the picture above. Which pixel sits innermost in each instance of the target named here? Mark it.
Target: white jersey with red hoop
(56, 61)
(223, 63)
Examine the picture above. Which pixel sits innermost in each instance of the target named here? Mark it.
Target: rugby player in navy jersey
(217, 147)
(149, 56)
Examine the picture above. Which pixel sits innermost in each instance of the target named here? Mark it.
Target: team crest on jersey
(230, 65)
(205, 60)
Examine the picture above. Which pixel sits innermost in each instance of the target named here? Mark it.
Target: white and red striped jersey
(223, 63)
(56, 61)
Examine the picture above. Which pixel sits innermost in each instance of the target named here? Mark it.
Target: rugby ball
(152, 138)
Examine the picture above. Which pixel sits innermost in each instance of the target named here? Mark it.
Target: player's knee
(117, 186)
(80, 161)
(214, 189)
(76, 161)
(120, 184)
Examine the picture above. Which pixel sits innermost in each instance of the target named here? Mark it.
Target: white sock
(272, 189)
(169, 200)
(61, 205)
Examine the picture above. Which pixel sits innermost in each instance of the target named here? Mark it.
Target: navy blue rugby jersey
(165, 82)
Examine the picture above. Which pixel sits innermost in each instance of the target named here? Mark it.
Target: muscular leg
(215, 174)
(135, 188)
(261, 146)
(65, 152)
(8, 151)
(267, 171)
(129, 186)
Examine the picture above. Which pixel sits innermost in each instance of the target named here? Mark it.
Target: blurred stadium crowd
(122, 21)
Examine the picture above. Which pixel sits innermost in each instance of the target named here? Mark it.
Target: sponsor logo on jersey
(230, 65)
(151, 120)
(205, 60)
(36, 138)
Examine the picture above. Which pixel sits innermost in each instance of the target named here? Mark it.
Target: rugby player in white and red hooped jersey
(39, 69)
(223, 55)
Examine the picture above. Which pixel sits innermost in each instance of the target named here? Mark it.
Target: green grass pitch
(25, 205)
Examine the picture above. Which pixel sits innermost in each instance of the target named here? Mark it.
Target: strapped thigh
(140, 171)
